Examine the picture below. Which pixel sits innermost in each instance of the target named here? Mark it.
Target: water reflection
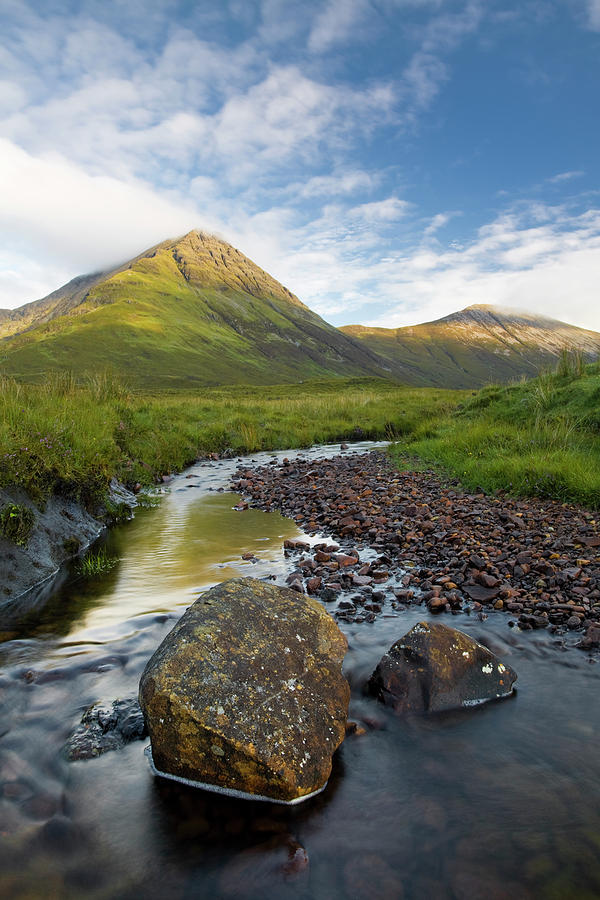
(166, 557)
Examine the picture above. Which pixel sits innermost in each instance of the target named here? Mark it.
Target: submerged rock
(246, 693)
(434, 668)
(106, 727)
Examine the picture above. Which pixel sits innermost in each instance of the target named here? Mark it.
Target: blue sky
(389, 161)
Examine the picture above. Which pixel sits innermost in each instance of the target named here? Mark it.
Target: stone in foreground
(246, 695)
(435, 668)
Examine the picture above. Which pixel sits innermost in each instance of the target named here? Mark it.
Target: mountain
(190, 311)
(195, 311)
(477, 345)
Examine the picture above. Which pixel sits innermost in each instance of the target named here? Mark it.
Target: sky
(389, 161)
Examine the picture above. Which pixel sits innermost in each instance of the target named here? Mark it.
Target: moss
(71, 545)
(117, 513)
(16, 523)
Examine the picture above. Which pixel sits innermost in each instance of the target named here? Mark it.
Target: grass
(537, 438)
(16, 523)
(71, 437)
(96, 563)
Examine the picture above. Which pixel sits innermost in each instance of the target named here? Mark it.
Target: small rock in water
(106, 727)
(246, 693)
(592, 638)
(435, 668)
(297, 860)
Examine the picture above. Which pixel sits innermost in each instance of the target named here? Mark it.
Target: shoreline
(63, 529)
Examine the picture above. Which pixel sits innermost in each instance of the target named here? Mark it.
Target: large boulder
(434, 668)
(246, 693)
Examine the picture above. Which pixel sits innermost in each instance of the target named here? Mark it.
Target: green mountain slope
(191, 311)
(478, 345)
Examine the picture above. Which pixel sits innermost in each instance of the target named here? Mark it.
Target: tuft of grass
(96, 563)
(571, 363)
(16, 523)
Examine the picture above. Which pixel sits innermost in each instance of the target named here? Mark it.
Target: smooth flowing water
(495, 802)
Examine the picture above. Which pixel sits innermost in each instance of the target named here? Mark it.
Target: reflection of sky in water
(167, 555)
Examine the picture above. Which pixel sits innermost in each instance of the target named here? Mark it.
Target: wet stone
(435, 668)
(592, 637)
(106, 727)
(246, 693)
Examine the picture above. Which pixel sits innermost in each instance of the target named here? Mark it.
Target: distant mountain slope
(472, 347)
(189, 311)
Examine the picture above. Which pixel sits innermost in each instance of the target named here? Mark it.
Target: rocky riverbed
(405, 538)
(496, 800)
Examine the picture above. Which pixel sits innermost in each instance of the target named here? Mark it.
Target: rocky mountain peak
(205, 259)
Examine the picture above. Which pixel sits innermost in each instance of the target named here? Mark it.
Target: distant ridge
(189, 311)
(475, 346)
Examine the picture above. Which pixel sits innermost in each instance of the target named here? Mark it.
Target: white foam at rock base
(228, 792)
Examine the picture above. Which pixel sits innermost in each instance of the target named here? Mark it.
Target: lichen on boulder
(246, 693)
(435, 668)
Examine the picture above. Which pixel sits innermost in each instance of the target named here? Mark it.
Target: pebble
(456, 552)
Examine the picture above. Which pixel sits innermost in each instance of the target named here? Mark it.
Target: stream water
(500, 801)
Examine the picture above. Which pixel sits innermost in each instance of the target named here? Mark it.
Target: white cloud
(380, 211)
(445, 31)
(288, 115)
(437, 222)
(426, 71)
(422, 78)
(336, 184)
(336, 23)
(73, 222)
(222, 110)
(12, 97)
(566, 176)
(593, 12)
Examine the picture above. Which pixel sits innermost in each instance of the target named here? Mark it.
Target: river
(501, 801)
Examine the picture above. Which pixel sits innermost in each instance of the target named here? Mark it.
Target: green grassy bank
(538, 438)
(72, 437)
